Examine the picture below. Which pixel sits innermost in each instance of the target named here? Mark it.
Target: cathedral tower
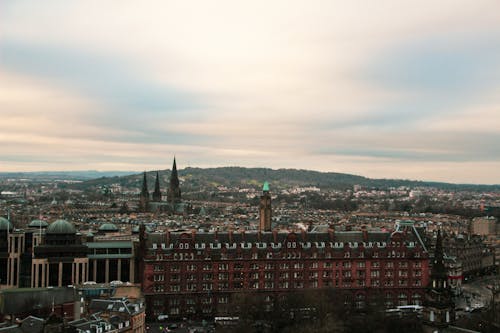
(265, 212)
(174, 191)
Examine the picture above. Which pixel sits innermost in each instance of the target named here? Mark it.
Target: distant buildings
(484, 226)
(174, 198)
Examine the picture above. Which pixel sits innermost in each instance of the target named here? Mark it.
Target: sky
(384, 89)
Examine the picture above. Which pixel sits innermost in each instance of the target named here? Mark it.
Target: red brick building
(194, 274)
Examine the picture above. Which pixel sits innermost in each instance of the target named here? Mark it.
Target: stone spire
(439, 308)
(157, 192)
(439, 275)
(174, 191)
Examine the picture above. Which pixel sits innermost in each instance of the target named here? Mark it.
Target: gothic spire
(174, 191)
(438, 273)
(145, 191)
(174, 178)
(157, 192)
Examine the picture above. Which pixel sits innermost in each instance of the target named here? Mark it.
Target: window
(223, 300)
(269, 266)
(361, 264)
(223, 267)
(314, 265)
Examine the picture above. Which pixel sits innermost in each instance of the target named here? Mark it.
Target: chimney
(193, 235)
(303, 234)
(167, 234)
(275, 235)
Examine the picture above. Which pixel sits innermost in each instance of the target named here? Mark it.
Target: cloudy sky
(393, 89)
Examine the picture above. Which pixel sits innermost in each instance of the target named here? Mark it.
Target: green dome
(5, 224)
(265, 188)
(61, 227)
(108, 227)
(38, 224)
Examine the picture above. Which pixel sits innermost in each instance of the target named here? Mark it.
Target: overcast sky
(392, 89)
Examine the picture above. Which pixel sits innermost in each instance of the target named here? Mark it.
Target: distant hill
(205, 179)
(63, 175)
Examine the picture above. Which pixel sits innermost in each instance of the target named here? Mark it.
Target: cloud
(329, 85)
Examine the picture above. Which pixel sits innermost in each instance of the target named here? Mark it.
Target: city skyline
(384, 90)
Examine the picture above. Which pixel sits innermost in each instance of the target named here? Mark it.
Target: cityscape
(167, 250)
(249, 166)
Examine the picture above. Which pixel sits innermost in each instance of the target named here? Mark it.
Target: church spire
(174, 191)
(157, 192)
(439, 275)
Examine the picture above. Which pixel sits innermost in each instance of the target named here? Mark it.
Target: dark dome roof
(38, 224)
(5, 224)
(61, 227)
(108, 227)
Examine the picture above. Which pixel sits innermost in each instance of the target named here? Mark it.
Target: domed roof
(108, 227)
(38, 224)
(61, 227)
(5, 224)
